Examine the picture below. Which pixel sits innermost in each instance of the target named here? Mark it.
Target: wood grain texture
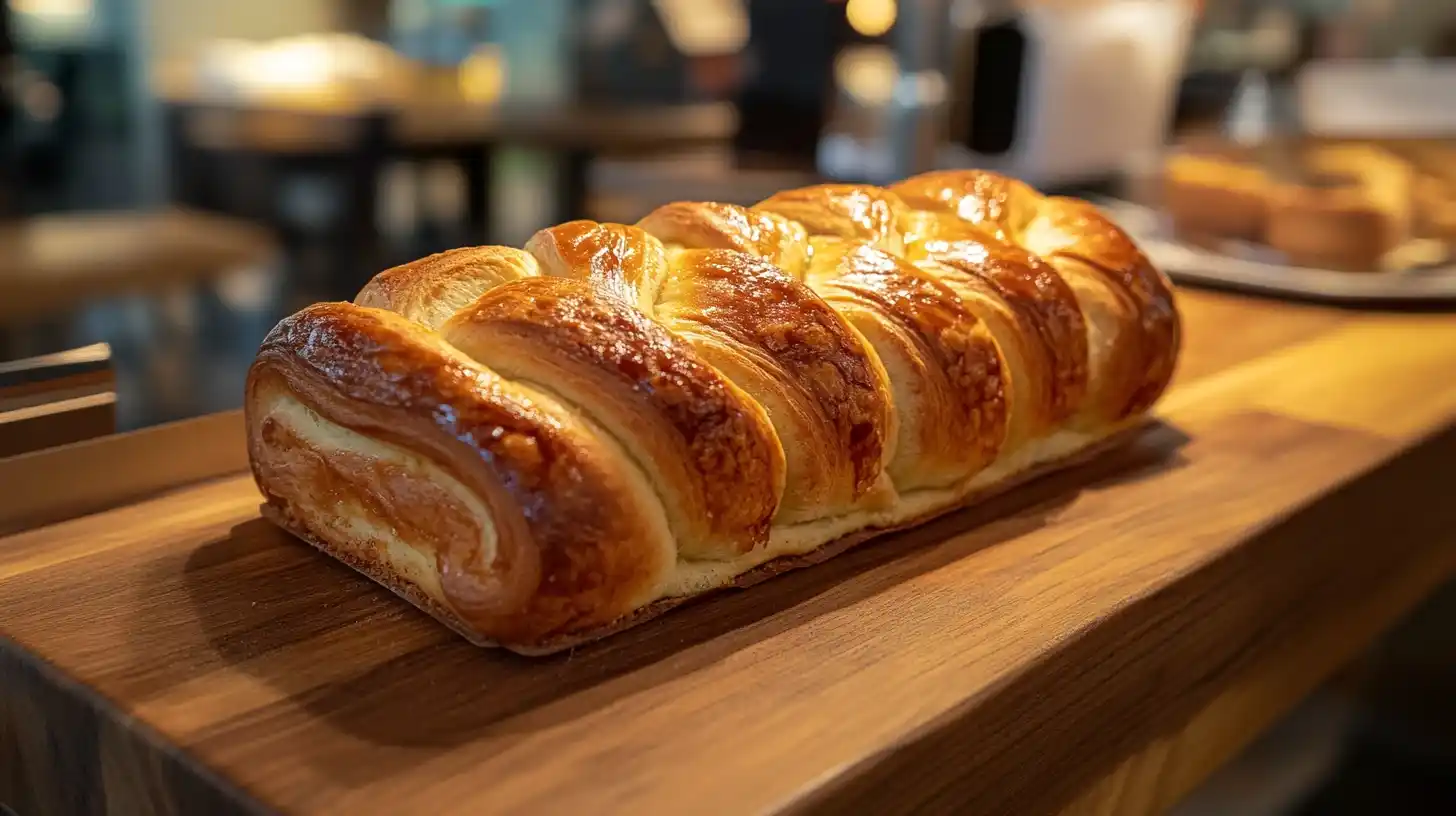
(1059, 648)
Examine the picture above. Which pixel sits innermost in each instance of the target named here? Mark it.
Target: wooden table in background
(1097, 642)
(440, 122)
(52, 263)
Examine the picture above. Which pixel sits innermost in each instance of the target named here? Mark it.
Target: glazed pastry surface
(540, 446)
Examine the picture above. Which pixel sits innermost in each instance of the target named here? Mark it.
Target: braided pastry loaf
(540, 447)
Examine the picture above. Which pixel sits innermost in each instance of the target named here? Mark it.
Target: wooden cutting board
(1098, 641)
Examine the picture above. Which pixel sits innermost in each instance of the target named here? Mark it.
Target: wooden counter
(1096, 642)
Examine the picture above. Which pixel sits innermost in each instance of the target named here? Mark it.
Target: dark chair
(240, 161)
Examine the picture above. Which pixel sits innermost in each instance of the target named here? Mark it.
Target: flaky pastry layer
(541, 447)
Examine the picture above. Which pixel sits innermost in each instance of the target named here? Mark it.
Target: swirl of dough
(538, 445)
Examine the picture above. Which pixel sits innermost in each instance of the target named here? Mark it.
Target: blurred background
(176, 175)
(179, 173)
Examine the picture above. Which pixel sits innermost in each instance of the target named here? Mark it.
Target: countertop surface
(1095, 641)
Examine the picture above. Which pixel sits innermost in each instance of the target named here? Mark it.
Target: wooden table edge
(51, 486)
(1178, 750)
(137, 766)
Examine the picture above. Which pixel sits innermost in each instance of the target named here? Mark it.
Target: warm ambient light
(483, 75)
(704, 28)
(867, 73)
(52, 8)
(311, 67)
(871, 18)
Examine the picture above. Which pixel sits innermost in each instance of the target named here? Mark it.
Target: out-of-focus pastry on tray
(1348, 206)
(1215, 196)
(1345, 207)
(1298, 216)
(1435, 198)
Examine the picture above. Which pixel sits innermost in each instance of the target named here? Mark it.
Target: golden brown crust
(851, 212)
(1001, 206)
(573, 546)
(534, 446)
(1079, 242)
(1047, 312)
(944, 369)
(617, 260)
(431, 289)
(708, 225)
(1148, 345)
(739, 309)
(720, 467)
(949, 387)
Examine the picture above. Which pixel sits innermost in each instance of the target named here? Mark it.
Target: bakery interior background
(178, 174)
